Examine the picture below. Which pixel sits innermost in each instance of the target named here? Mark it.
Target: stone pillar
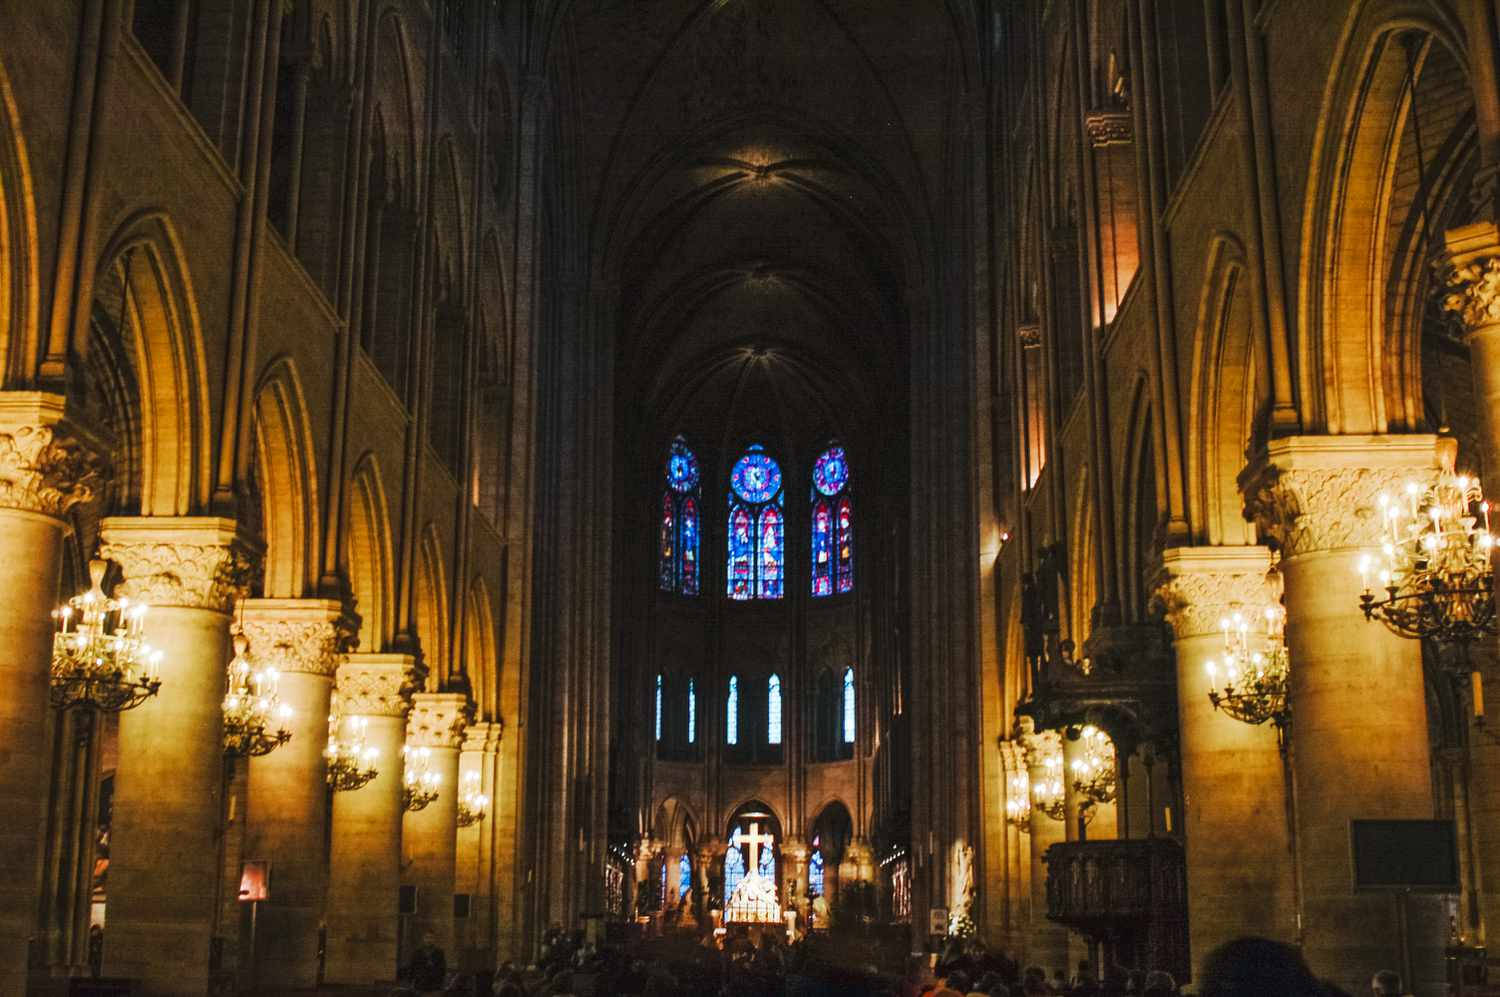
(288, 789)
(1472, 275)
(794, 854)
(1047, 941)
(46, 468)
(710, 850)
(1239, 859)
(1359, 745)
(164, 837)
(474, 865)
(429, 837)
(645, 852)
(364, 864)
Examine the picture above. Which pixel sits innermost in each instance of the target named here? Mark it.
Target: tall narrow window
(658, 707)
(832, 521)
(684, 876)
(848, 706)
(756, 529)
(692, 718)
(773, 710)
(677, 541)
(815, 869)
(732, 712)
(734, 864)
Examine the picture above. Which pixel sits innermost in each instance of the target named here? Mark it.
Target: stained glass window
(848, 706)
(677, 549)
(815, 870)
(773, 710)
(832, 521)
(684, 876)
(663, 900)
(768, 864)
(658, 706)
(757, 526)
(734, 864)
(692, 705)
(732, 712)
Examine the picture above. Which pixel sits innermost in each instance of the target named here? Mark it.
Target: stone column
(794, 854)
(364, 864)
(1472, 274)
(1047, 941)
(164, 836)
(429, 837)
(288, 789)
(1359, 746)
(46, 468)
(710, 850)
(474, 865)
(1239, 859)
(645, 851)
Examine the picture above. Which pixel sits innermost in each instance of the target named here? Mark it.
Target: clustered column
(474, 874)
(287, 812)
(1233, 785)
(364, 865)
(164, 872)
(1360, 747)
(429, 835)
(1047, 940)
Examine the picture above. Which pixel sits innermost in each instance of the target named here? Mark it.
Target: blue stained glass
(687, 569)
(815, 871)
(734, 865)
(682, 467)
(741, 553)
(773, 710)
(663, 880)
(767, 863)
(846, 545)
(658, 706)
(831, 471)
(771, 553)
(731, 712)
(692, 712)
(684, 876)
(756, 476)
(822, 548)
(667, 560)
(848, 705)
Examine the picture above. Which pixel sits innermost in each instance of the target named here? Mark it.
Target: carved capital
(1106, 128)
(437, 719)
(1470, 271)
(483, 737)
(1198, 586)
(375, 685)
(298, 635)
(1038, 744)
(193, 562)
(47, 464)
(1029, 335)
(1321, 493)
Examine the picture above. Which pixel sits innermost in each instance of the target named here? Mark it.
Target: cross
(754, 840)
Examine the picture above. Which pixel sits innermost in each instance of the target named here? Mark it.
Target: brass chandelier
(1094, 772)
(99, 655)
(1048, 793)
(1249, 683)
(1018, 801)
(251, 706)
(421, 784)
(352, 764)
(1433, 570)
(472, 804)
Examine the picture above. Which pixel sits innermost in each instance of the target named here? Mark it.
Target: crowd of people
(742, 963)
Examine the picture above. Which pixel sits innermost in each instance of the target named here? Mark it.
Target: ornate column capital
(1036, 743)
(1469, 268)
(375, 685)
(1199, 586)
(298, 635)
(193, 562)
(1321, 493)
(437, 719)
(48, 464)
(483, 737)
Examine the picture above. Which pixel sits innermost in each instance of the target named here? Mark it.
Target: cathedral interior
(994, 476)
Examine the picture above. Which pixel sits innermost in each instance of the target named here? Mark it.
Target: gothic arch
(1353, 364)
(751, 804)
(368, 554)
(480, 662)
(396, 96)
(1141, 489)
(431, 609)
(674, 823)
(19, 331)
(164, 341)
(287, 477)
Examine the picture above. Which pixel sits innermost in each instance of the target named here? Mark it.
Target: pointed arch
(20, 333)
(287, 481)
(481, 663)
(432, 609)
(368, 554)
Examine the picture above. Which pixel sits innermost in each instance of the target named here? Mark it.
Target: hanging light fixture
(1094, 771)
(1254, 671)
(1048, 793)
(352, 764)
(421, 783)
(472, 804)
(1018, 801)
(99, 656)
(251, 706)
(1433, 570)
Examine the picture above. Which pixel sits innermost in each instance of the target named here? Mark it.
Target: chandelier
(1094, 772)
(1434, 568)
(421, 783)
(1256, 671)
(472, 804)
(351, 763)
(251, 706)
(1047, 793)
(1018, 802)
(99, 657)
